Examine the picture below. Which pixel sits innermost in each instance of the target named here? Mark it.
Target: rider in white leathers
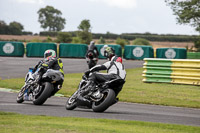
(115, 70)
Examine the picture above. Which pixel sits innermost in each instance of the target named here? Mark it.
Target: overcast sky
(115, 16)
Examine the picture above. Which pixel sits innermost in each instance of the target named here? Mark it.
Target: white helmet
(49, 54)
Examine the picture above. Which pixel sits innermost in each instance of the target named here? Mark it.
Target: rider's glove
(87, 73)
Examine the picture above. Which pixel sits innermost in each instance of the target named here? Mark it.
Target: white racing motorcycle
(39, 92)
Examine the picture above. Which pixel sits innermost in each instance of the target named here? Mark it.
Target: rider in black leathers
(50, 62)
(92, 54)
(115, 70)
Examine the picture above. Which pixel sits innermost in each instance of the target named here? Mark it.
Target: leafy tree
(3, 27)
(85, 25)
(50, 18)
(187, 12)
(141, 41)
(15, 28)
(64, 37)
(84, 33)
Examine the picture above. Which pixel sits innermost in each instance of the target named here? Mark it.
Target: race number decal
(8, 48)
(170, 54)
(138, 52)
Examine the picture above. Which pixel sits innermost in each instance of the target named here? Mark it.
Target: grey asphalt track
(121, 111)
(15, 67)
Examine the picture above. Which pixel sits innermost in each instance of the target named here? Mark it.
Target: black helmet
(109, 52)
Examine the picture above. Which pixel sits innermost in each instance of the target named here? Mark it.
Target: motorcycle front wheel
(45, 93)
(71, 102)
(105, 102)
(20, 96)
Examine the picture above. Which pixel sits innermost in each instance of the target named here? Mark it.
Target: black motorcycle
(101, 98)
(39, 92)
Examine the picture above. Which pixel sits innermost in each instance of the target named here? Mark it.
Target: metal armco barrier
(180, 71)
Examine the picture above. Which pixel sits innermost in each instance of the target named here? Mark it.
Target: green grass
(12, 122)
(134, 90)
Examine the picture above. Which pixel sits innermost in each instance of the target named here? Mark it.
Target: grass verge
(12, 122)
(134, 90)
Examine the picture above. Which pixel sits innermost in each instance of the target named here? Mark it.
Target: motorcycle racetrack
(15, 67)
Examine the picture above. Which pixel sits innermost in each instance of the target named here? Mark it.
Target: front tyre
(44, 95)
(20, 96)
(71, 102)
(105, 102)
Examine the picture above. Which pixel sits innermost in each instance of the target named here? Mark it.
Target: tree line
(13, 28)
(133, 36)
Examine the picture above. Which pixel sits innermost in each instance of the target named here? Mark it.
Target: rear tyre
(44, 95)
(105, 102)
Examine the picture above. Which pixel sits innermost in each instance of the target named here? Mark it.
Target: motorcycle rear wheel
(44, 95)
(105, 102)
(91, 64)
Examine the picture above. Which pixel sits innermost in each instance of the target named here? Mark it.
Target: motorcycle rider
(115, 70)
(49, 62)
(92, 54)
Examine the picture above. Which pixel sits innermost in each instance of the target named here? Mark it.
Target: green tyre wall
(38, 49)
(138, 52)
(171, 53)
(12, 49)
(67, 50)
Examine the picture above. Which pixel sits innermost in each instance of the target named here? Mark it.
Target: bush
(102, 40)
(197, 45)
(141, 41)
(49, 39)
(48, 33)
(76, 40)
(85, 37)
(27, 33)
(64, 37)
(122, 42)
